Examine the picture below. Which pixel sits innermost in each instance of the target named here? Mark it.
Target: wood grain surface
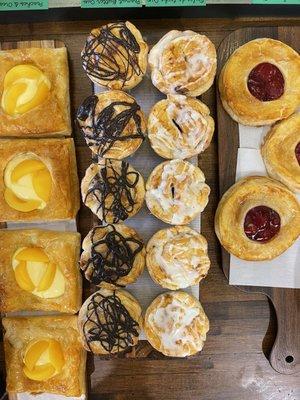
(232, 365)
(285, 354)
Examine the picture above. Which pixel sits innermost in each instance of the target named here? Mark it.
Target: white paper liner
(283, 271)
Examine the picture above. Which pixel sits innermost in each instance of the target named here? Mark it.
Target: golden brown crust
(176, 192)
(176, 324)
(183, 63)
(244, 195)
(180, 127)
(52, 117)
(131, 135)
(236, 98)
(278, 152)
(124, 190)
(62, 249)
(130, 75)
(177, 257)
(59, 157)
(89, 322)
(123, 252)
(19, 331)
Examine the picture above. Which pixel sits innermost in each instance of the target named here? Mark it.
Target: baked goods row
(45, 354)
(258, 218)
(39, 182)
(39, 268)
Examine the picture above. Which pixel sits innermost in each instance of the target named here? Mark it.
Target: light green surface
(23, 5)
(174, 3)
(110, 3)
(275, 2)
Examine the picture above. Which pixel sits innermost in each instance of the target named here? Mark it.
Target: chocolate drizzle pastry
(109, 323)
(112, 256)
(111, 53)
(119, 121)
(115, 191)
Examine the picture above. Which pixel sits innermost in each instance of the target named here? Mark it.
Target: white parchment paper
(283, 271)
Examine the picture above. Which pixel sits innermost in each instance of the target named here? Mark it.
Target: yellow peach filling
(43, 359)
(25, 87)
(35, 273)
(28, 183)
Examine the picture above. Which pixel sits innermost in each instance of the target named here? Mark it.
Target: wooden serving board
(285, 354)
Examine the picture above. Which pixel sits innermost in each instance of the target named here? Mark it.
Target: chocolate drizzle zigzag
(114, 191)
(102, 130)
(112, 54)
(109, 323)
(112, 256)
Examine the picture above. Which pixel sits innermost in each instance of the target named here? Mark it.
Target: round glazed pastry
(112, 123)
(183, 63)
(176, 192)
(113, 190)
(180, 127)
(257, 219)
(115, 56)
(176, 324)
(109, 321)
(112, 256)
(281, 152)
(177, 257)
(258, 84)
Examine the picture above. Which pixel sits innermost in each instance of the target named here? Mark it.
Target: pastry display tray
(285, 354)
(143, 160)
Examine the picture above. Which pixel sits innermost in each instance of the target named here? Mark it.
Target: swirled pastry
(34, 90)
(113, 190)
(44, 354)
(110, 321)
(257, 219)
(38, 180)
(177, 257)
(176, 192)
(281, 152)
(176, 324)
(39, 271)
(183, 63)
(180, 127)
(112, 123)
(113, 255)
(259, 84)
(115, 56)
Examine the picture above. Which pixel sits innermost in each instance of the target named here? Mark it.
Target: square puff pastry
(62, 249)
(50, 117)
(59, 157)
(19, 331)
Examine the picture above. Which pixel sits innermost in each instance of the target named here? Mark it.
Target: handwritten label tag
(110, 3)
(275, 2)
(175, 3)
(23, 5)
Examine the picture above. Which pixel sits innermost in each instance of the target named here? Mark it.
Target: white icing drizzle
(186, 188)
(179, 265)
(174, 321)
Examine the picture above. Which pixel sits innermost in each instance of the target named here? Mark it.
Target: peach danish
(34, 93)
(44, 355)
